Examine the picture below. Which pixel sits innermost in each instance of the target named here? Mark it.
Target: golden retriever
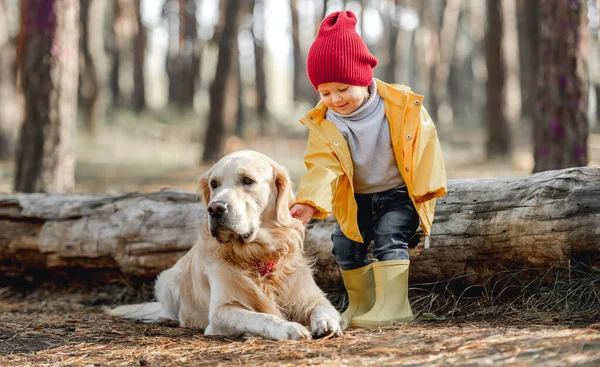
(247, 273)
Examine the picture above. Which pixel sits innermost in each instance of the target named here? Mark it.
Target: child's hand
(302, 212)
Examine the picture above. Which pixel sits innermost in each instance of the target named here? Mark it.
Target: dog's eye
(248, 181)
(213, 184)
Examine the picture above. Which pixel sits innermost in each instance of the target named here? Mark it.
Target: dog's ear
(203, 187)
(285, 195)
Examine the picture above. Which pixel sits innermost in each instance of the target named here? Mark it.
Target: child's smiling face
(342, 98)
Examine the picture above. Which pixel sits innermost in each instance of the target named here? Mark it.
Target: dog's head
(244, 191)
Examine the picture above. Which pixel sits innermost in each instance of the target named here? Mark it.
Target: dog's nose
(216, 209)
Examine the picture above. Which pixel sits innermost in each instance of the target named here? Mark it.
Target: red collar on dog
(265, 268)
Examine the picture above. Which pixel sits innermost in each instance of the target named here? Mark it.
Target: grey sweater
(368, 135)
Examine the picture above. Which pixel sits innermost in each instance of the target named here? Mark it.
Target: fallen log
(482, 227)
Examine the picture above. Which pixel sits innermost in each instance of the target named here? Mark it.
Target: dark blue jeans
(387, 218)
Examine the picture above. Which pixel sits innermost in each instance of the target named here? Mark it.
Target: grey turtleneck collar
(367, 108)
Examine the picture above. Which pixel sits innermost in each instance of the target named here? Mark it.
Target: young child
(374, 159)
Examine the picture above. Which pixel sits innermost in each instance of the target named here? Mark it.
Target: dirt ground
(50, 326)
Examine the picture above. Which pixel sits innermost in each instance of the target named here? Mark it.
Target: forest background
(156, 90)
(119, 96)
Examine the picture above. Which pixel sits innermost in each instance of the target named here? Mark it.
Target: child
(374, 159)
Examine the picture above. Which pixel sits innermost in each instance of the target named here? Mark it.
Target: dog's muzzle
(223, 225)
(218, 209)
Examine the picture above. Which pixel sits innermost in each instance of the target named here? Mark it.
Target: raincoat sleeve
(428, 162)
(317, 186)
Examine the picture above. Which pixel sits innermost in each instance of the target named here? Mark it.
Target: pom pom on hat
(339, 54)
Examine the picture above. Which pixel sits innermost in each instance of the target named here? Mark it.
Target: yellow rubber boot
(391, 295)
(360, 286)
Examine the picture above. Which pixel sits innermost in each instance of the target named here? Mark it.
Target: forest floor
(65, 326)
(47, 324)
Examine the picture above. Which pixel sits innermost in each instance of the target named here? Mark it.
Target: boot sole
(374, 324)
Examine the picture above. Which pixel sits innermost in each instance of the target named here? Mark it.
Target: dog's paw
(325, 326)
(290, 330)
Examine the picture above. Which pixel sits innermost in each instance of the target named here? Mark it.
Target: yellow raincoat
(328, 182)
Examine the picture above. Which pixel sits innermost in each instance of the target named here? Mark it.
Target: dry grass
(568, 291)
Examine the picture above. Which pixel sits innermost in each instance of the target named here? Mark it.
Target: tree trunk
(432, 18)
(240, 118)
(498, 143)
(49, 41)
(297, 52)
(447, 41)
(124, 29)
(483, 227)
(182, 55)
(170, 13)
(392, 37)
(215, 134)
(138, 99)
(461, 80)
(527, 15)
(258, 33)
(94, 73)
(561, 125)
(9, 110)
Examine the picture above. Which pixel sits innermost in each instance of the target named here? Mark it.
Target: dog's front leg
(230, 320)
(325, 320)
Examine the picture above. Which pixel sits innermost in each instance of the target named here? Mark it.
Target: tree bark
(561, 125)
(483, 227)
(9, 107)
(95, 69)
(393, 31)
(49, 49)
(447, 41)
(527, 23)
(432, 17)
(258, 36)
(299, 67)
(124, 30)
(498, 142)
(215, 133)
(183, 53)
(138, 99)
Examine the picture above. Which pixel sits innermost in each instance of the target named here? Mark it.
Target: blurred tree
(498, 142)
(216, 131)
(9, 119)
(361, 25)
(527, 35)
(420, 51)
(235, 88)
(447, 41)
(138, 99)
(124, 31)
(320, 16)
(466, 91)
(299, 66)
(561, 124)
(48, 63)
(392, 25)
(220, 23)
(258, 36)
(433, 11)
(184, 50)
(94, 69)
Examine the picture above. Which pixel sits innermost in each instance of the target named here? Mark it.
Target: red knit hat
(339, 54)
